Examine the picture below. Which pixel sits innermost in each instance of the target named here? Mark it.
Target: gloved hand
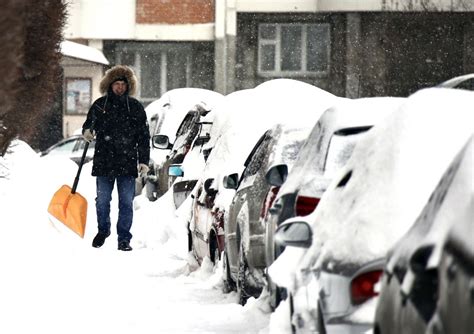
(88, 135)
(143, 169)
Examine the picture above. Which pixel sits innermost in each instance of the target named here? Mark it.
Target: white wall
(74, 68)
(100, 19)
(115, 19)
(175, 32)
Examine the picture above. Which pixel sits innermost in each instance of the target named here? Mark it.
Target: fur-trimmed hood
(116, 72)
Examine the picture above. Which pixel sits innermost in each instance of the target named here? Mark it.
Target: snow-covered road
(52, 281)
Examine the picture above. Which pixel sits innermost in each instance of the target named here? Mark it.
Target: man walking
(122, 150)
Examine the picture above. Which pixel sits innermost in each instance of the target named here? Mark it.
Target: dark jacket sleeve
(143, 137)
(91, 117)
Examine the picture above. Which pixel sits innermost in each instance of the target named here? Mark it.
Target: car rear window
(340, 149)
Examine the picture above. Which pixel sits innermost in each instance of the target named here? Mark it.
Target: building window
(150, 74)
(293, 49)
(78, 95)
(159, 67)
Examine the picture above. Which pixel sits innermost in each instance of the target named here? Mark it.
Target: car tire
(292, 311)
(276, 293)
(320, 324)
(242, 278)
(214, 250)
(229, 284)
(190, 240)
(151, 189)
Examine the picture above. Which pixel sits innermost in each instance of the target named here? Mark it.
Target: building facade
(83, 68)
(350, 48)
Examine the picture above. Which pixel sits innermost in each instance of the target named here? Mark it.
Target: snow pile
(53, 281)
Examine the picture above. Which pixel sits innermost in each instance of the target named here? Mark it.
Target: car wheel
(214, 250)
(151, 189)
(321, 327)
(229, 284)
(276, 293)
(138, 186)
(242, 278)
(292, 311)
(190, 240)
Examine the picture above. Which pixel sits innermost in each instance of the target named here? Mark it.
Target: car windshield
(340, 150)
(65, 148)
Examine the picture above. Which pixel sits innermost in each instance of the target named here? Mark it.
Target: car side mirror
(161, 142)
(175, 170)
(276, 175)
(231, 181)
(294, 233)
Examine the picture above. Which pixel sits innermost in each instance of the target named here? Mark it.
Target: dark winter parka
(120, 124)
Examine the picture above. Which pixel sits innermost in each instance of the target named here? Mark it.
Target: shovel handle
(76, 180)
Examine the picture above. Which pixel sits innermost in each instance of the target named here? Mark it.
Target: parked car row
(309, 196)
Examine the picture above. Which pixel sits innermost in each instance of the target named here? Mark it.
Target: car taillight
(187, 147)
(269, 199)
(363, 286)
(305, 205)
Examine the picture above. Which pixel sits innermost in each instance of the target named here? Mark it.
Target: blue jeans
(126, 193)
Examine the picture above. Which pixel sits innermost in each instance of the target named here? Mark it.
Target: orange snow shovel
(70, 207)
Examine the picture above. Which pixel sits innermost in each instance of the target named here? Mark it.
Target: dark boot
(124, 246)
(100, 239)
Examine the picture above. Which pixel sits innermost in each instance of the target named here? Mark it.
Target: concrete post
(353, 44)
(225, 46)
(468, 48)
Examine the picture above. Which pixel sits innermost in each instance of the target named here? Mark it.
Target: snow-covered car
(164, 117)
(327, 149)
(194, 130)
(206, 226)
(71, 147)
(243, 227)
(429, 277)
(248, 114)
(465, 81)
(333, 278)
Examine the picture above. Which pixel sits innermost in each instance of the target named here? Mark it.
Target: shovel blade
(70, 209)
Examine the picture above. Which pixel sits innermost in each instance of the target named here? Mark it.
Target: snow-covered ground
(52, 281)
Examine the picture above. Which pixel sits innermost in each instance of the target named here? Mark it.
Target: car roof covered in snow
(252, 112)
(310, 165)
(376, 197)
(390, 176)
(172, 106)
(449, 209)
